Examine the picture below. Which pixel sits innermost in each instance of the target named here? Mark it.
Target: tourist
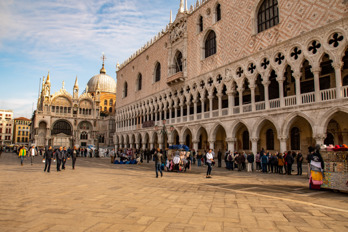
(309, 158)
(59, 157)
(258, 162)
(209, 160)
(48, 155)
(317, 168)
(65, 156)
(199, 159)
(22, 153)
(264, 162)
(289, 161)
(194, 156)
(73, 157)
(250, 159)
(280, 163)
(32, 154)
(299, 159)
(273, 162)
(158, 162)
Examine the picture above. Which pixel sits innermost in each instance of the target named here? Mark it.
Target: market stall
(336, 170)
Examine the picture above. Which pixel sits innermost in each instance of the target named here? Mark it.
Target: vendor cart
(335, 170)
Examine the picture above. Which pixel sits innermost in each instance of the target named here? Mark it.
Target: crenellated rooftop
(164, 31)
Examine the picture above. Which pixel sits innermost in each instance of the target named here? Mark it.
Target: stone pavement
(99, 196)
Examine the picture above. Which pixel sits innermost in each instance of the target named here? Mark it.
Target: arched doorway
(242, 138)
(188, 138)
(300, 135)
(62, 134)
(42, 131)
(203, 139)
(268, 136)
(220, 139)
(155, 140)
(337, 129)
(85, 134)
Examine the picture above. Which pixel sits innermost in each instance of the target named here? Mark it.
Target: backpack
(229, 158)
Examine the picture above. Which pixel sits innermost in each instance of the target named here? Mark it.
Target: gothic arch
(258, 126)
(291, 118)
(323, 122)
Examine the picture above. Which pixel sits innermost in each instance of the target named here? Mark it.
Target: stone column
(283, 147)
(211, 144)
(137, 145)
(253, 105)
(151, 146)
(281, 92)
(176, 113)
(188, 111)
(170, 114)
(219, 95)
(195, 109)
(230, 102)
(211, 97)
(297, 76)
(195, 145)
(316, 72)
(319, 139)
(182, 111)
(230, 144)
(338, 76)
(266, 84)
(240, 90)
(254, 149)
(202, 113)
(165, 114)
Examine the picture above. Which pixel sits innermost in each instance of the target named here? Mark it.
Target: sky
(67, 38)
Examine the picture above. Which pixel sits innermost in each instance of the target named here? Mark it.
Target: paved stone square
(99, 196)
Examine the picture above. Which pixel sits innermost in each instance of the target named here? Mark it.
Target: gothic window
(295, 139)
(246, 140)
(61, 127)
(218, 12)
(111, 102)
(270, 139)
(200, 23)
(139, 81)
(110, 109)
(268, 15)
(178, 62)
(105, 109)
(158, 72)
(125, 89)
(210, 44)
(84, 136)
(105, 102)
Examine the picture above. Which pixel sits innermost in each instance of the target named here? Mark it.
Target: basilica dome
(106, 83)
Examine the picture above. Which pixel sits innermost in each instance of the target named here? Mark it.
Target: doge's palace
(239, 75)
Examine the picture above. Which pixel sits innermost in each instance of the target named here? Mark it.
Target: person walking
(209, 160)
(309, 158)
(299, 160)
(59, 157)
(280, 163)
(48, 155)
(22, 153)
(158, 162)
(64, 157)
(32, 154)
(199, 158)
(73, 156)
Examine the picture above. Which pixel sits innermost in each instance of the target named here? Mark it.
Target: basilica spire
(76, 83)
(181, 9)
(102, 70)
(48, 78)
(171, 17)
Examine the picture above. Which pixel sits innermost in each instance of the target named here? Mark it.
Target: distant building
(6, 124)
(63, 119)
(21, 131)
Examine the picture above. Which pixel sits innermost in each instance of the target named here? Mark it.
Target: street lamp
(164, 132)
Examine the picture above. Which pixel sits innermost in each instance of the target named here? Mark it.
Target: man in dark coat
(289, 161)
(219, 158)
(48, 155)
(59, 157)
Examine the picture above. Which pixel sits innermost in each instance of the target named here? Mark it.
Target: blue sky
(68, 38)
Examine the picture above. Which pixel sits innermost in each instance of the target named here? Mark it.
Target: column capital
(211, 141)
(316, 69)
(283, 138)
(266, 83)
(219, 95)
(231, 92)
(195, 141)
(337, 65)
(231, 140)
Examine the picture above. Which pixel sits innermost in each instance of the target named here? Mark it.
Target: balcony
(176, 78)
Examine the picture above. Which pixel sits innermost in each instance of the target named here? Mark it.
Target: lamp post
(164, 132)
